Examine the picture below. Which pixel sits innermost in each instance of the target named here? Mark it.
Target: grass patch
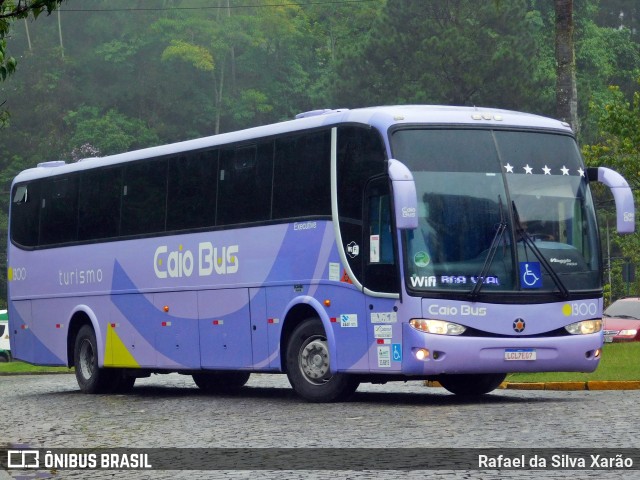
(619, 363)
(17, 366)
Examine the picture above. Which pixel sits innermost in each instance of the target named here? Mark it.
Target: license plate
(520, 354)
(608, 338)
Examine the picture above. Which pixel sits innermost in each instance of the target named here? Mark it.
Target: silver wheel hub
(86, 359)
(314, 361)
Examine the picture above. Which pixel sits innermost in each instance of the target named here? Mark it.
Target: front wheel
(308, 366)
(90, 378)
(472, 384)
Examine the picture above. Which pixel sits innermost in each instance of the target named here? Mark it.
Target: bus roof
(380, 117)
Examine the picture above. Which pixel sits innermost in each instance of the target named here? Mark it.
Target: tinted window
(25, 214)
(99, 209)
(59, 211)
(302, 172)
(144, 197)
(192, 190)
(361, 155)
(435, 150)
(245, 184)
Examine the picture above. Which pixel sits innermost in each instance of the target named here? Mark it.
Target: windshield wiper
(528, 241)
(493, 248)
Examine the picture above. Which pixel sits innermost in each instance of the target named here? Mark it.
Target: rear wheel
(91, 378)
(308, 366)
(216, 382)
(472, 384)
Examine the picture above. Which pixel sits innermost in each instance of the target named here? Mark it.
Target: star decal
(565, 170)
(546, 170)
(509, 168)
(528, 170)
(581, 172)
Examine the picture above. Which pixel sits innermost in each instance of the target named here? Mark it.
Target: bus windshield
(482, 192)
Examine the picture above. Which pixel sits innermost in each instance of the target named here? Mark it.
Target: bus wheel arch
(308, 364)
(296, 314)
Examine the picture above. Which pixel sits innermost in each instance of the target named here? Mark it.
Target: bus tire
(308, 366)
(90, 378)
(219, 382)
(472, 384)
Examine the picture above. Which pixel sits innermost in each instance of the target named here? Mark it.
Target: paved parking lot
(48, 411)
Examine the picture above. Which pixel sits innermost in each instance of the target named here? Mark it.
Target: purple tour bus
(345, 246)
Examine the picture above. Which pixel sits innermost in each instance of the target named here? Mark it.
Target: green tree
(11, 10)
(457, 52)
(618, 147)
(106, 133)
(566, 88)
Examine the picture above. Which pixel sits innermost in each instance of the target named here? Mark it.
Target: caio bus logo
(181, 262)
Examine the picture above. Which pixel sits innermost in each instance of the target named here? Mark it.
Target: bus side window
(25, 214)
(144, 197)
(99, 204)
(59, 211)
(244, 184)
(192, 190)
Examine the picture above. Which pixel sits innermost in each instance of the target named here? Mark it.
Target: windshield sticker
(421, 259)
(564, 261)
(546, 170)
(433, 281)
(530, 275)
(374, 249)
(353, 249)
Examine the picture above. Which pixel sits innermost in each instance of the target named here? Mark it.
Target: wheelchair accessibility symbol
(530, 275)
(396, 352)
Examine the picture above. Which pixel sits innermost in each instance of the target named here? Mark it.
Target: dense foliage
(105, 76)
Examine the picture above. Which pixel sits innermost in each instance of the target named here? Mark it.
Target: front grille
(472, 332)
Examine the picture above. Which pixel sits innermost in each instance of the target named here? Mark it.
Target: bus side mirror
(622, 194)
(405, 199)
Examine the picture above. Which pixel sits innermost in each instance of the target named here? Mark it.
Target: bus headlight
(439, 327)
(585, 327)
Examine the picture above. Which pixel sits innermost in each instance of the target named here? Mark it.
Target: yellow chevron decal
(116, 353)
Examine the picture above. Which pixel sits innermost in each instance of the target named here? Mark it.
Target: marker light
(439, 327)
(585, 327)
